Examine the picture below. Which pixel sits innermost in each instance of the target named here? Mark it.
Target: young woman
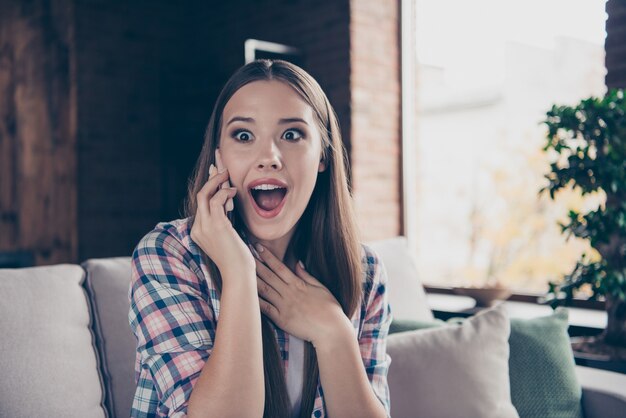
(262, 302)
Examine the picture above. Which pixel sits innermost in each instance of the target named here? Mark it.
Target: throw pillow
(541, 365)
(542, 368)
(402, 325)
(406, 293)
(48, 365)
(453, 371)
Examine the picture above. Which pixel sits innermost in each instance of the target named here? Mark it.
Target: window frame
(596, 305)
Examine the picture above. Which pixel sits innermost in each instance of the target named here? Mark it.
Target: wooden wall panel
(37, 130)
(8, 144)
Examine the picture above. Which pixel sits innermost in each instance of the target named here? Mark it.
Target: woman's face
(272, 148)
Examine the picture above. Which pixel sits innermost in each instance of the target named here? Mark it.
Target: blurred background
(103, 106)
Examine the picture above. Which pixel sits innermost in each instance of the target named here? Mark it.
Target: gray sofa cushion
(604, 393)
(107, 285)
(48, 365)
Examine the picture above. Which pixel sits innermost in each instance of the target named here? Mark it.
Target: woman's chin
(265, 231)
(268, 232)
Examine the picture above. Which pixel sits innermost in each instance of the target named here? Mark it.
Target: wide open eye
(293, 134)
(242, 135)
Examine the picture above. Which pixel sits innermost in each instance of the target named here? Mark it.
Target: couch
(67, 350)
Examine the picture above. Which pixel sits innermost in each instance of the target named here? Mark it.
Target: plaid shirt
(174, 311)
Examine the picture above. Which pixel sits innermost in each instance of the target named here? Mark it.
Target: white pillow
(453, 371)
(406, 293)
(48, 365)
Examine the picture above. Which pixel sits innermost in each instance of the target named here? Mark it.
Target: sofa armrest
(604, 393)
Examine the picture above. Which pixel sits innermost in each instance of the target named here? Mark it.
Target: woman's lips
(267, 214)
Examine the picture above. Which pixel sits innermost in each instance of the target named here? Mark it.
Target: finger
(304, 275)
(267, 291)
(217, 202)
(230, 205)
(269, 276)
(210, 187)
(201, 201)
(220, 166)
(268, 309)
(275, 264)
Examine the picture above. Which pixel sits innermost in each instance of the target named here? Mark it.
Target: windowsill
(579, 317)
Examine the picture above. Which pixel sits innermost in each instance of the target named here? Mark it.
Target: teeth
(267, 187)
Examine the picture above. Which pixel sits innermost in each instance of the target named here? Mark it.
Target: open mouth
(268, 199)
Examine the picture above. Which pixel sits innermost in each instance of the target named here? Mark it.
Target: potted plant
(589, 141)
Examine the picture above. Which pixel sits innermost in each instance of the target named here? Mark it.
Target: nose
(269, 156)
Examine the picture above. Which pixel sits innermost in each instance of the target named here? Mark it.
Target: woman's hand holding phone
(220, 166)
(213, 231)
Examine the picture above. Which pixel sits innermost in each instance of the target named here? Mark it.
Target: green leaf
(596, 127)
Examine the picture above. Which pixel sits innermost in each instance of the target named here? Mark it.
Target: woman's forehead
(267, 100)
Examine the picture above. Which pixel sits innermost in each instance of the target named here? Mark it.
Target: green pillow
(400, 325)
(541, 365)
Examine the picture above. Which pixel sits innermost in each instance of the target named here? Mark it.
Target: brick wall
(376, 122)
(615, 44)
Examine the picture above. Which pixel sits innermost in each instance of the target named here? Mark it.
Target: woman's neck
(278, 247)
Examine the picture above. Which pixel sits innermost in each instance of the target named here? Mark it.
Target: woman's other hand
(213, 232)
(297, 302)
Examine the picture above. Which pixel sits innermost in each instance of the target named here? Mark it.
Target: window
(488, 70)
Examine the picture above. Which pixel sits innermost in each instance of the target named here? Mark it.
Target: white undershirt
(294, 373)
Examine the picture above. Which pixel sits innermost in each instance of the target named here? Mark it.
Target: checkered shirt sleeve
(377, 318)
(173, 323)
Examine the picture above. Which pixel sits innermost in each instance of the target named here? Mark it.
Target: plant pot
(484, 296)
(594, 352)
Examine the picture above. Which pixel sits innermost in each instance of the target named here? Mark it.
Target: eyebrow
(291, 120)
(251, 120)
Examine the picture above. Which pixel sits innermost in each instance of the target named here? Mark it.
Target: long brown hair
(326, 237)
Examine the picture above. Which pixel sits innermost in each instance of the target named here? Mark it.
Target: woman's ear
(322, 166)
